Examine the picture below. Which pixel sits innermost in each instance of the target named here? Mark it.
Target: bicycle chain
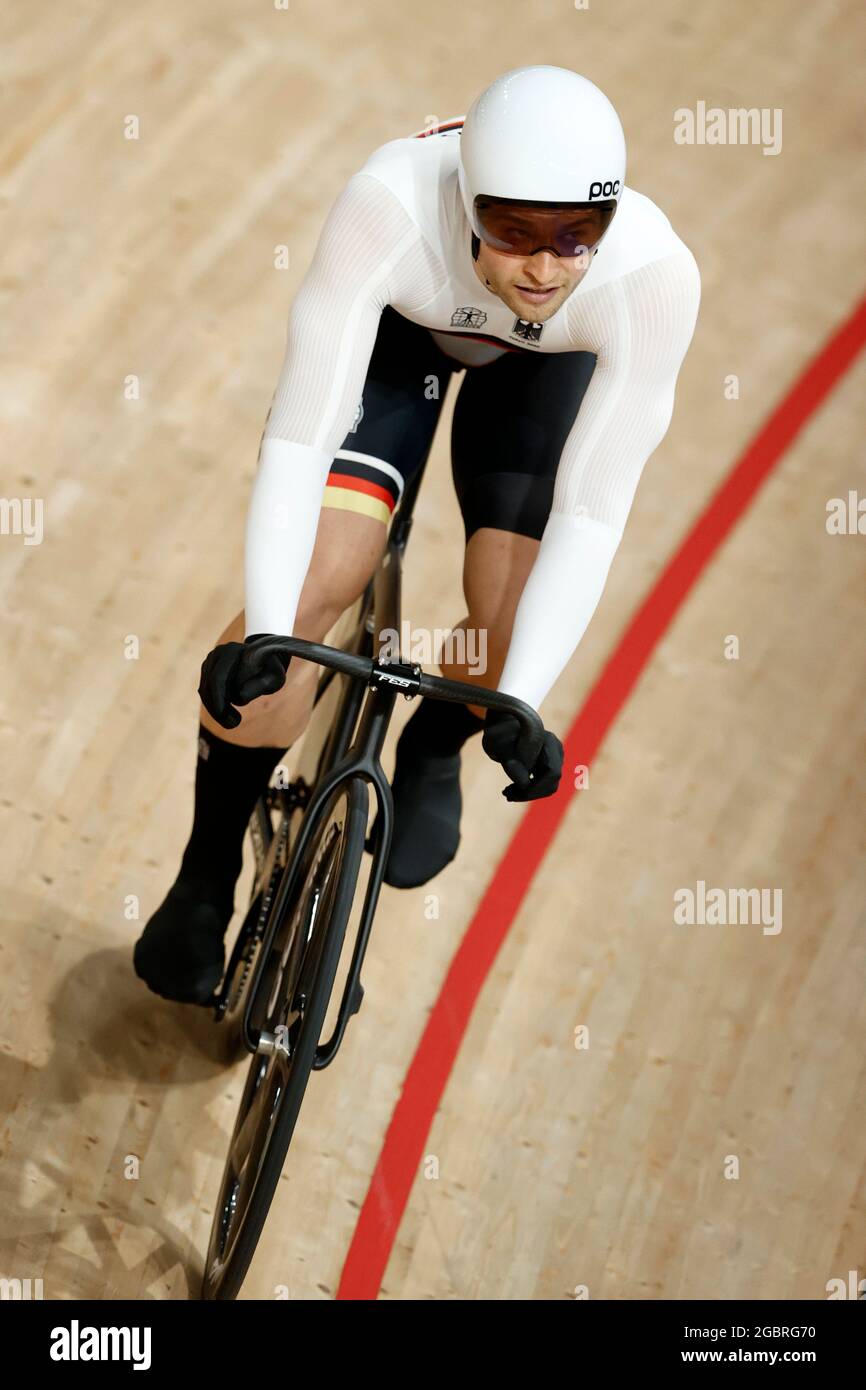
(257, 935)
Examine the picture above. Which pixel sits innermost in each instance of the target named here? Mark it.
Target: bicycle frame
(339, 759)
(353, 746)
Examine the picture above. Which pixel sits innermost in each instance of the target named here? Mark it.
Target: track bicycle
(308, 840)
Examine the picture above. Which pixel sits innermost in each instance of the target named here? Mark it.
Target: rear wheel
(291, 1001)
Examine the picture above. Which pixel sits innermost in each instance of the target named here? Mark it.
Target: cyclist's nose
(542, 266)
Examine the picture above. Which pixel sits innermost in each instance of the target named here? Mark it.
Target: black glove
(235, 674)
(534, 766)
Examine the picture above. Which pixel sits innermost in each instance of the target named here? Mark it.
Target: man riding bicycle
(503, 247)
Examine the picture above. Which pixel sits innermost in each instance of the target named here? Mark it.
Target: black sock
(440, 728)
(228, 781)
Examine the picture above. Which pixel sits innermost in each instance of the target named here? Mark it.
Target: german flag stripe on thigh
(360, 483)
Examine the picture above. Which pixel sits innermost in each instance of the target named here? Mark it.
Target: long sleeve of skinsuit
(640, 326)
(369, 252)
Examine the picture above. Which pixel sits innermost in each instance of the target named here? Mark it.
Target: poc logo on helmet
(604, 190)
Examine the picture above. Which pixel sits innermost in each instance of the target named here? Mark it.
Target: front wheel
(294, 990)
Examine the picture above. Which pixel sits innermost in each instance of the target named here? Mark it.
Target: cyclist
(503, 246)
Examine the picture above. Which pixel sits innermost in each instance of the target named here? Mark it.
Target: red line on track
(427, 1076)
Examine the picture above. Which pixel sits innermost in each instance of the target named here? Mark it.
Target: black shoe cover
(427, 806)
(180, 954)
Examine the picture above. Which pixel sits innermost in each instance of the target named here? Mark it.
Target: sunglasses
(519, 228)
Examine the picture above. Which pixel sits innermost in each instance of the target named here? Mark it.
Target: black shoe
(427, 806)
(180, 954)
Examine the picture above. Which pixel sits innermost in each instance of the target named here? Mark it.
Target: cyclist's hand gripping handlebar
(235, 673)
(534, 764)
(514, 736)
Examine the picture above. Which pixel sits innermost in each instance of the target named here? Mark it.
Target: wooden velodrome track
(548, 1168)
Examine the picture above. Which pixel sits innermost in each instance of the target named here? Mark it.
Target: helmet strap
(476, 246)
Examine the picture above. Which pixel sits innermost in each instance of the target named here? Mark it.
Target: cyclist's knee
(271, 720)
(479, 646)
(348, 548)
(492, 627)
(318, 611)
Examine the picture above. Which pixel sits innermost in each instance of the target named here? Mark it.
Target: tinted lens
(519, 229)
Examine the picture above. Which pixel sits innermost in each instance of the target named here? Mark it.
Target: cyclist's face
(533, 287)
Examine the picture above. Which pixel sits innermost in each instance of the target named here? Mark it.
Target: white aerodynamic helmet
(542, 135)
